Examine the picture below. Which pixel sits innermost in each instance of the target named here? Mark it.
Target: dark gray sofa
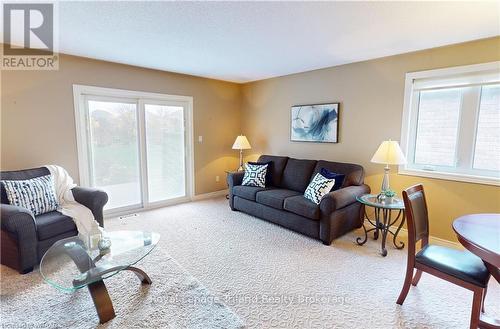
(282, 201)
(24, 237)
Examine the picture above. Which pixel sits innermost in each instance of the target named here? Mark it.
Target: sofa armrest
(341, 198)
(235, 178)
(20, 223)
(93, 199)
(14, 219)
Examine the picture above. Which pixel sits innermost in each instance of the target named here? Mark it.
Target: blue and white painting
(315, 123)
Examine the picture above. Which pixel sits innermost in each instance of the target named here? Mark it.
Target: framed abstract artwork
(315, 123)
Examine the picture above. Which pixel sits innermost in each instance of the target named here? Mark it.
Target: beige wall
(371, 97)
(38, 125)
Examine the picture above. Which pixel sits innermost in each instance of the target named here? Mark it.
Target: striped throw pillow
(36, 194)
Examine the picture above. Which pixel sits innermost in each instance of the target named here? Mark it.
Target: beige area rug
(275, 278)
(174, 300)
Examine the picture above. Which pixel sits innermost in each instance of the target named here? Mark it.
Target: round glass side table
(383, 221)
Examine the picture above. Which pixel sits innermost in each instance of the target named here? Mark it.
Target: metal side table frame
(383, 220)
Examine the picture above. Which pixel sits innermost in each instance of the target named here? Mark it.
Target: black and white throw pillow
(269, 173)
(255, 175)
(36, 194)
(318, 188)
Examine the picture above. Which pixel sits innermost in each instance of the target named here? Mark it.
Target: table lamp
(241, 143)
(388, 153)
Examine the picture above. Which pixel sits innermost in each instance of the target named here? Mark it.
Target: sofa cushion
(297, 174)
(280, 217)
(247, 192)
(276, 168)
(52, 224)
(275, 197)
(355, 174)
(301, 206)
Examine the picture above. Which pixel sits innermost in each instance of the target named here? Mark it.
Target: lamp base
(385, 181)
(241, 162)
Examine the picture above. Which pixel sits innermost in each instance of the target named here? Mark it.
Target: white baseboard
(403, 234)
(187, 199)
(210, 195)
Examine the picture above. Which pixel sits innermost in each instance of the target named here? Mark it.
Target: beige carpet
(174, 300)
(269, 276)
(275, 278)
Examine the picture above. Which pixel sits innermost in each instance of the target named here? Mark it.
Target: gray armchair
(24, 237)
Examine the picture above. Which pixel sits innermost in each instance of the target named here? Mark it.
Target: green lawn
(119, 164)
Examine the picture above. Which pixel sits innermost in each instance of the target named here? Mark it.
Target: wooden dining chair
(459, 267)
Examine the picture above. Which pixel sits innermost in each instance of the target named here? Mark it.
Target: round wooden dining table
(480, 234)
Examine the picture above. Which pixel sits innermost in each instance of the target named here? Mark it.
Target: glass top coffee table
(69, 265)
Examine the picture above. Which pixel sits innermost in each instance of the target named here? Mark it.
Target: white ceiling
(246, 41)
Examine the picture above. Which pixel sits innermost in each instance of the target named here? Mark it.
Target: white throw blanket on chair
(82, 216)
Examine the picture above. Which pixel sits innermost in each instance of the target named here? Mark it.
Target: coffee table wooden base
(116, 251)
(97, 289)
(102, 300)
(140, 274)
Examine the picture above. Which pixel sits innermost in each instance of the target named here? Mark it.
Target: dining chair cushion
(459, 264)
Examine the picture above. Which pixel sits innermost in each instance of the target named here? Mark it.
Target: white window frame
(465, 147)
(82, 92)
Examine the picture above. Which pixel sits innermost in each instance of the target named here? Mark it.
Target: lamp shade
(389, 153)
(241, 143)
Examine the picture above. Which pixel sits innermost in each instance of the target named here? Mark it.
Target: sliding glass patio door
(137, 149)
(113, 150)
(165, 150)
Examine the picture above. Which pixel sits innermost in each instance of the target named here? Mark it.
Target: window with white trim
(451, 123)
